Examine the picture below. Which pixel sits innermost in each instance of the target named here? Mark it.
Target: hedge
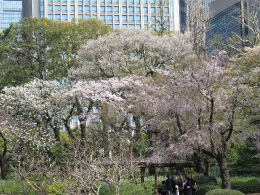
(203, 189)
(224, 192)
(203, 180)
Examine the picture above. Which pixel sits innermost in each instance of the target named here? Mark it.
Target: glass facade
(10, 11)
(118, 14)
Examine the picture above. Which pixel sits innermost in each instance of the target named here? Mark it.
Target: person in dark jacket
(193, 184)
(187, 186)
(169, 185)
(162, 188)
(174, 185)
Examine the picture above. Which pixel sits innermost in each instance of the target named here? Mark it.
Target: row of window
(109, 1)
(107, 8)
(125, 18)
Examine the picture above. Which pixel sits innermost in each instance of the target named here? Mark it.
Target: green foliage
(224, 192)
(204, 188)
(14, 186)
(142, 145)
(56, 188)
(43, 48)
(206, 180)
(246, 185)
(129, 188)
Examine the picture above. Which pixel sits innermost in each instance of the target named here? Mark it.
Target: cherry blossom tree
(127, 52)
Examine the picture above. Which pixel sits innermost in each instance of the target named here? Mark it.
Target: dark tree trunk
(3, 158)
(224, 173)
(3, 168)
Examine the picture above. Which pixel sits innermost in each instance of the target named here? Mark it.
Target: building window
(153, 18)
(94, 8)
(131, 9)
(102, 17)
(131, 18)
(116, 8)
(153, 9)
(116, 26)
(145, 18)
(130, 1)
(72, 16)
(124, 9)
(138, 10)
(124, 1)
(166, 10)
(166, 19)
(94, 16)
(87, 8)
(153, 26)
(57, 7)
(124, 18)
(138, 26)
(80, 7)
(50, 16)
(57, 16)
(50, 7)
(109, 1)
(146, 26)
(116, 17)
(72, 7)
(145, 9)
(137, 1)
(138, 18)
(80, 16)
(87, 16)
(102, 8)
(152, 1)
(102, 1)
(64, 17)
(145, 1)
(115, 1)
(131, 26)
(109, 8)
(110, 17)
(87, 1)
(93, 1)
(124, 25)
(64, 7)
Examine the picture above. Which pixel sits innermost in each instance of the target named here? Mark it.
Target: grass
(247, 185)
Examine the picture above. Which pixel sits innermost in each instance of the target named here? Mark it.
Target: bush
(224, 192)
(206, 180)
(129, 188)
(56, 188)
(246, 185)
(203, 189)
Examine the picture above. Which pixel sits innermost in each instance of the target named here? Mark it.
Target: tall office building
(224, 20)
(117, 13)
(10, 11)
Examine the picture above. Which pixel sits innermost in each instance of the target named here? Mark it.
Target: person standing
(169, 185)
(187, 186)
(174, 185)
(193, 184)
(162, 188)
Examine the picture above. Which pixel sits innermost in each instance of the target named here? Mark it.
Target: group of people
(170, 186)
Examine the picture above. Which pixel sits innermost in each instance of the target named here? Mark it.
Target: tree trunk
(3, 168)
(224, 173)
(3, 158)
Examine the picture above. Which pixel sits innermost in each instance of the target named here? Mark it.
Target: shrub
(206, 180)
(224, 192)
(129, 188)
(246, 185)
(203, 189)
(56, 188)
